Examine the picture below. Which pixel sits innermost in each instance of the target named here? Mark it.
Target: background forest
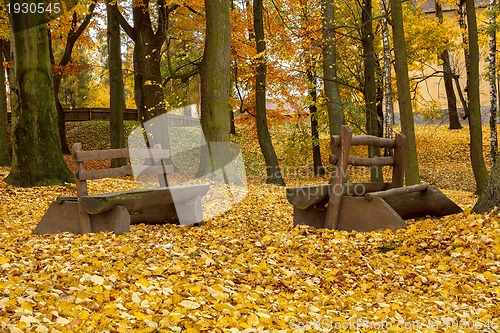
(278, 78)
(313, 64)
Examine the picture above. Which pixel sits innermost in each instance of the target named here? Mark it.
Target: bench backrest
(341, 144)
(157, 157)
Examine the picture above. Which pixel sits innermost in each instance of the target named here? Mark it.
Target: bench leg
(189, 212)
(84, 218)
(117, 220)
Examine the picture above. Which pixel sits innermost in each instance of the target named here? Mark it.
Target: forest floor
(249, 269)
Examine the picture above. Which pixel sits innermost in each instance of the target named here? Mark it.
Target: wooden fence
(86, 114)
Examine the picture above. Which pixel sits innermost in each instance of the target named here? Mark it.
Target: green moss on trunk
(36, 148)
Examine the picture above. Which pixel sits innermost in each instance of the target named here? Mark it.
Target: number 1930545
(32, 8)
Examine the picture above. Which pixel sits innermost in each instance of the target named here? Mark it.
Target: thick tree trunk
(404, 97)
(475, 125)
(116, 88)
(451, 98)
(492, 73)
(272, 166)
(4, 148)
(215, 72)
(36, 148)
(370, 84)
(313, 109)
(332, 95)
(148, 90)
(490, 197)
(389, 110)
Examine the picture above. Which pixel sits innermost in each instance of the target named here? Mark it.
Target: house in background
(432, 91)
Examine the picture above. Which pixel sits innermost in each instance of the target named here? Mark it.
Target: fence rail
(86, 114)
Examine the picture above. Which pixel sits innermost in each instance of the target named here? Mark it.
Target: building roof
(430, 5)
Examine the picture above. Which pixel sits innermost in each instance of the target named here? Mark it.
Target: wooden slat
(124, 171)
(108, 154)
(370, 140)
(104, 173)
(397, 191)
(153, 170)
(365, 140)
(372, 161)
(149, 153)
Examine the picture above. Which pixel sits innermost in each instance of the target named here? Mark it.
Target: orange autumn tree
(64, 32)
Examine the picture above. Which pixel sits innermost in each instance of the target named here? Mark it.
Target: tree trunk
(332, 95)
(389, 110)
(149, 97)
(370, 84)
(215, 72)
(73, 35)
(36, 148)
(313, 109)
(272, 166)
(404, 97)
(4, 148)
(462, 22)
(380, 99)
(490, 197)
(61, 122)
(475, 125)
(492, 72)
(116, 88)
(148, 89)
(451, 98)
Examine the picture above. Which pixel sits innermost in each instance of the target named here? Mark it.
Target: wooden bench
(366, 206)
(117, 210)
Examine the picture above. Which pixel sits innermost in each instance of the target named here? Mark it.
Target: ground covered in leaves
(251, 270)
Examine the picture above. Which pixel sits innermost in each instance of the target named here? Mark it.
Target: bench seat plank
(139, 200)
(307, 196)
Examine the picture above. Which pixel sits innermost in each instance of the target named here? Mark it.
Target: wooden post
(162, 178)
(81, 190)
(398, 176)
(338, 179)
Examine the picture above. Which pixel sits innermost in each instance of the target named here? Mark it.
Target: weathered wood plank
(89, 155)
(365, 140)
(141, 200)
(397, 191)
(124, 171)
(417, 204)
(370, 161)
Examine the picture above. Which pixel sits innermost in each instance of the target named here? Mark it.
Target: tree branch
(129, 30)
(74, 35)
